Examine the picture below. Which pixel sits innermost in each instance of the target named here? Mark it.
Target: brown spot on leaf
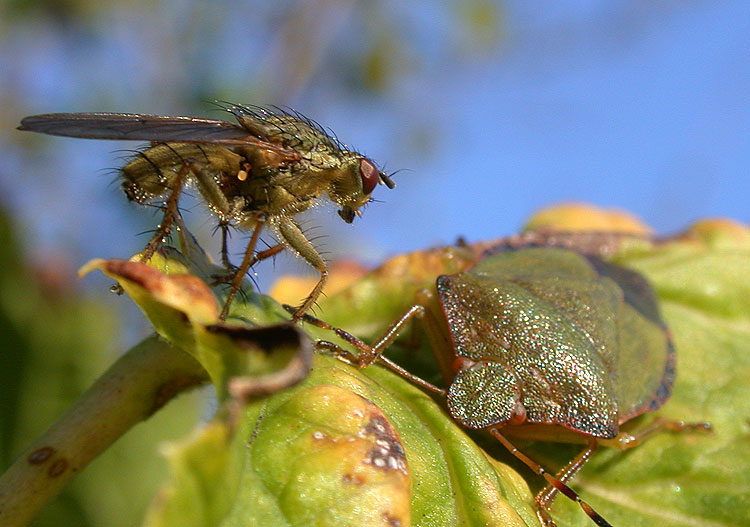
(387, 453)
(392, 520)
(37, 457)
(354, 479)
(58, 467)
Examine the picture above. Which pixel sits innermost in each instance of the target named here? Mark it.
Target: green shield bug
(272, 165)
(545, 344)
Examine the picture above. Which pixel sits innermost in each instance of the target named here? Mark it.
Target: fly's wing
(138, 127)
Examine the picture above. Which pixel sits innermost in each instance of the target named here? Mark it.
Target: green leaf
(304, 456)
(54, 345)
(185, 311)
(333, 450)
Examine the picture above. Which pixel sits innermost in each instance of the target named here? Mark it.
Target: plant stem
(131, 390)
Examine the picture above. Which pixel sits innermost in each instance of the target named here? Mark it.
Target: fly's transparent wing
(139, 127)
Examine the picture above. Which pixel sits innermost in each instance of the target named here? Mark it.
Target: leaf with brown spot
(307, 455)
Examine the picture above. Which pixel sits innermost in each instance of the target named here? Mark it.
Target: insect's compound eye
(370, 175)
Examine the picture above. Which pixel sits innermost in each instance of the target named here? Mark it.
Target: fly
(262, 171)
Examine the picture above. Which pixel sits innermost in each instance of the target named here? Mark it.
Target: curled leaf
(248, 361)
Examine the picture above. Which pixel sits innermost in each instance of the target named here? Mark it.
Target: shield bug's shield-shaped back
(544, 344)
(263, 171)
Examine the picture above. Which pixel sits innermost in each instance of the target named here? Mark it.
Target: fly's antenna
(387, 179)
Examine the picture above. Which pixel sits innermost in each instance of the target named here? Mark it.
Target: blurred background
(491, 110)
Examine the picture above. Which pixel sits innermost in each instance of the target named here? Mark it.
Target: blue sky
(639, 106)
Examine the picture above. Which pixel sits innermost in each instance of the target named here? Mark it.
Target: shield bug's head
(484, 394)
(352, 189)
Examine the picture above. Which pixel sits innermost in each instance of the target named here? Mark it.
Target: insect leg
(271, 251)
(214, 195)
(559, 485)
(239, 274)
(165, 226)
(370, 354)
(294, 238)
(625, 441)
(224, 226)
(547, 495)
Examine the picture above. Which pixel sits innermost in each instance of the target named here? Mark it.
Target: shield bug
(264, 170)
(543, 344)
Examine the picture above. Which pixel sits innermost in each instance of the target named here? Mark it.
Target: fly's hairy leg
(369, 354)
(170, 211)
(293, 237)
(267, 253)
(247, 260)
(257, 257)
(214, 195)
(224, 226)
(553, 481)
(548, 494)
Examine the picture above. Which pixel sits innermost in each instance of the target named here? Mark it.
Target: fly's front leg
(294, 238)
(170, 212)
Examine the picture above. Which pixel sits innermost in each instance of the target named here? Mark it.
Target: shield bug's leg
(239, 274)
(625, 441)
(294, 238)
(547, 495)
(559, 485)
(369, 354)
(164, 227)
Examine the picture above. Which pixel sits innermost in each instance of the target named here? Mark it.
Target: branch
(137, 385)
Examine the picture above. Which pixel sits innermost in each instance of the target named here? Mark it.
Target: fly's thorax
(152, 173)
(289, 190)
(283, 193)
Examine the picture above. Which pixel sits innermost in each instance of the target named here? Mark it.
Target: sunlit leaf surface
(351, 447)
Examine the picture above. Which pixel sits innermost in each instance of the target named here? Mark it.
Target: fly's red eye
(370, 175)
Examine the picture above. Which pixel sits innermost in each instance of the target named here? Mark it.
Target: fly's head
(353, 184)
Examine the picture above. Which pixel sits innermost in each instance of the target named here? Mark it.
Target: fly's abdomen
(151, 174)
